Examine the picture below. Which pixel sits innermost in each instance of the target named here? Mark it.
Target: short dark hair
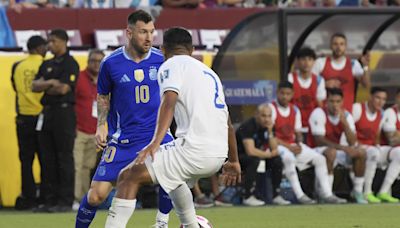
(285, 84)
(177, 37)
(334, 91)
(60, 34)
(95, 51)
(377, 89)
(306, 52)
(34, 42)
(338, 34)
(139, 15)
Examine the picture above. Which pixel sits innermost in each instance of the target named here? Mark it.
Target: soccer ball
(203, 222)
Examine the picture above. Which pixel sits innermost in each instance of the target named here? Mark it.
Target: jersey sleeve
(350, 121)
(297, 123)
(170, 78)
(273, 113)
(356, 68)
(357, 109)
(389, 122)
(317, 122)
(318, 66)
(71, 73)
(290, 78)
(104, 85)
(321, 90)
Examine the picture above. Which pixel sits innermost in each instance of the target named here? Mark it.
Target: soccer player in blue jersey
(128, 100)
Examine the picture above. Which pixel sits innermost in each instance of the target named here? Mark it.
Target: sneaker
(279, 200)
(222, 202)
(386, 197)
(75, 206)
(203, 202)
(160, 224)
(371, 198)
(332, 199)
(253, 201)
(306, 200)
(359, 197)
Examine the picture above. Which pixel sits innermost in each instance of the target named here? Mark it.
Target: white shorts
(341, 157)
(383, 154)
(174, 166)
(302, 160)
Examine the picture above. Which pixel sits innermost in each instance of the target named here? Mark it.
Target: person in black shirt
(256, 142)
(57, 78)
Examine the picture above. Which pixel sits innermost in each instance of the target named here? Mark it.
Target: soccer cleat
(279, 200)
(221, 201)
(332, 199)
(203, 202)
(371, 198)
(160, 224)
(359, 197)
(386, 197)
(306, 200)
(253, 201)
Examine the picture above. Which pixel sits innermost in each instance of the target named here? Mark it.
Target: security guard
(56, 123)
(28, 108)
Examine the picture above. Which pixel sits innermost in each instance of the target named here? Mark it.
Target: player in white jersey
(192, 93)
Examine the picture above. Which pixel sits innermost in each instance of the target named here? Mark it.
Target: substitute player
(309, 89)
(128, 99)
(192, 93)
(339, 71)
(327, 125)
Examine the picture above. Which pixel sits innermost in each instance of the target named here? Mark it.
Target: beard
(141, 50)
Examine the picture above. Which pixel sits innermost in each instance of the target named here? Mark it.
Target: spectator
(28, 108)
(309, 89)
(203, 201)
(57, 78)
(339, 71)
(180, 3)
(326, 128)
(256, 142)
(86, 123)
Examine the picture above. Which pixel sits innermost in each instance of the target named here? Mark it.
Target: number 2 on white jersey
(218, 103)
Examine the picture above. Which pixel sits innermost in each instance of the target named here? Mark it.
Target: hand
(353, 152)
(342, 117)
(364, 59)
(295, 148)
(54, 82)
(231, 174)
(270, 154)
(151, 149)
(101, 136)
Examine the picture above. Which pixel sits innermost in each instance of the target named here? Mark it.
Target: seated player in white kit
(192, 93)
(287, 123)
(327, 125)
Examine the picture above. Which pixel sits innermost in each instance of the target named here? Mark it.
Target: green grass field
(321, 216)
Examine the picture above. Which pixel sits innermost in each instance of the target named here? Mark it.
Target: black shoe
(23, 203)
(60, 209)
(42, 208)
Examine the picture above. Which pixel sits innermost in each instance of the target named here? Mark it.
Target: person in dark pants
(28, 108)
(256, 142)
(56, 123)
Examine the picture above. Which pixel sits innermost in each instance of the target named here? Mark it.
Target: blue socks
(164, 202)
(85, 214)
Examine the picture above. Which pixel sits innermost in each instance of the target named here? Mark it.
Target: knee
(330, 155)
(362, 154)
(319, 159)
(95, 197)
(129, 176)
(288, 159)
(395, 156)
(372, 154)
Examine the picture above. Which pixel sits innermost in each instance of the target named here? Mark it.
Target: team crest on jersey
(153, 73)
(139, 75)
(164, 75)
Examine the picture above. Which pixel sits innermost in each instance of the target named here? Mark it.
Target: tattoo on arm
(103, 106)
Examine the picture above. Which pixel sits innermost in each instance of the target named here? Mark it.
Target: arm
(232, 144)
(103, 106)
(40, 85)
(58, 88)
(164, 120)
(350, 135)
(299, 137)
(321, 140)
(393, 137)
(365, 79)
(251, 150)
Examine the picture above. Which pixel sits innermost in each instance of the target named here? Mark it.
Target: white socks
(162, 217)
(330, 179)
(182, 199)
(358, 183)
(370, 168)
(120, 212)
(392, 172)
